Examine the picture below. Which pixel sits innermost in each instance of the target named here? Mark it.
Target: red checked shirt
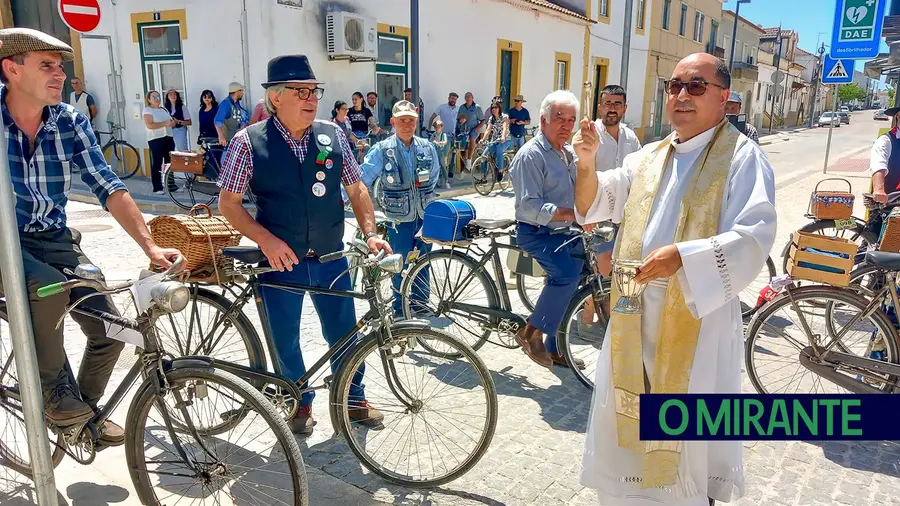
(237, 167)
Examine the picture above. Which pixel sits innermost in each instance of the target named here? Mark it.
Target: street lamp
(737, 14)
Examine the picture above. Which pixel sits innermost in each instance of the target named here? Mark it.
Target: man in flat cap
(232, 115)
(296, 166)
(47, 139)
(733, 108)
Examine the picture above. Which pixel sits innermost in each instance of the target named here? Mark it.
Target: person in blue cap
(296, 166)
(409, 169)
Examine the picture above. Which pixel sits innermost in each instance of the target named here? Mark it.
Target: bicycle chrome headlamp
(170, 296)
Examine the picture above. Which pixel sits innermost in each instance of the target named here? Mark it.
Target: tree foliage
(850, 92)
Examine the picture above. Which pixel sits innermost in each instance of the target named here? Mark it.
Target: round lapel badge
(320, 176)
(324, 140)
(318, 189)
(390, 153)
(329, 164)
(388, 166)
(390, 179)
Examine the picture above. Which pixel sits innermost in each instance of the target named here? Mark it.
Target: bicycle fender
(189, 362)
(411, 324)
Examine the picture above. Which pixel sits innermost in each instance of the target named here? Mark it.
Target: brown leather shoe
(111, 434)
(365, 414)
(302, 423)
(529, 338)
(561, 361)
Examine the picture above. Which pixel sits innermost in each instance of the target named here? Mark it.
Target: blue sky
(811, 19)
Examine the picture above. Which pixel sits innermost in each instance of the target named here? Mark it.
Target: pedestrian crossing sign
(837, 71)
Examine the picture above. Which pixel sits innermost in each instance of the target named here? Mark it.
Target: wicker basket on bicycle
(831, 204)
(821, 259)
(200, 239)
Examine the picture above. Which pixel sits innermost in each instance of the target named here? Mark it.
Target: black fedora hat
(292, 68)
(891, 111)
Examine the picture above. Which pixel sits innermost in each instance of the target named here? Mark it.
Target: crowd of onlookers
(453, 127)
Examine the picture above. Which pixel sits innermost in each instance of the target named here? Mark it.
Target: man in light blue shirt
(474, 120)
(543, 177)
(408, 168)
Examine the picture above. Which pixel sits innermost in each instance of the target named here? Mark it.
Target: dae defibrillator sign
(857, 28)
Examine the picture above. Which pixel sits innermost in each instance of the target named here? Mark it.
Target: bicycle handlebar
(64, 286)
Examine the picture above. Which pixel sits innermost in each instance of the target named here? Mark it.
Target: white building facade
(488, 47)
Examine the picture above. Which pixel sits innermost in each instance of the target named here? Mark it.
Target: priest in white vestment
(698, 209)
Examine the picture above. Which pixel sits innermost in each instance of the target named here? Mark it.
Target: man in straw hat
(296, 166)
(697, 214)
(47, 139)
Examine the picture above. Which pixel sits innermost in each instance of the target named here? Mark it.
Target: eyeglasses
(694, 88)
(304, 93)
(614, 105)
(154, 96)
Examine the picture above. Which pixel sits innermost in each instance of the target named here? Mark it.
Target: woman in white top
(159, 125)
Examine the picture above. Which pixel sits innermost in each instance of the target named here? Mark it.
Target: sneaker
(158, 192)
(302, 423)
(365, 414)
(469, 165)
(63, 408)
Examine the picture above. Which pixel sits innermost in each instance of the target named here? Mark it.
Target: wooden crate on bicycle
(200, 239)
(890, 233)
(192, 163)
(821, 259)
(832, 204)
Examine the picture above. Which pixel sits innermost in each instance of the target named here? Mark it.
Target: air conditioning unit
(351, 35)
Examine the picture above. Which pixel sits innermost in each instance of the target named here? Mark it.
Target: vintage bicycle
(440, 415)
(181, 420)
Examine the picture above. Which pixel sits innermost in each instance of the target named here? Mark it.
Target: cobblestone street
(535, 456)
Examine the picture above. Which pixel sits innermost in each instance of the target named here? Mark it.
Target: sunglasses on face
(304, 93)
(154, 97)
(694, 88)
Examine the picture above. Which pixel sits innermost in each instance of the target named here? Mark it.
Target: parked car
(829, 118)
(845, 117)
(880, 115)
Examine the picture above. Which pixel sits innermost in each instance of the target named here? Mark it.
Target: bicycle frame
(381, 328)
(151, 362)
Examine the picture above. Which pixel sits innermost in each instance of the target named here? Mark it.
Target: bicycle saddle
(884, 260)
(245, 254)
(493, 224)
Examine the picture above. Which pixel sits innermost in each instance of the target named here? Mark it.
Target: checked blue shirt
(42, 178)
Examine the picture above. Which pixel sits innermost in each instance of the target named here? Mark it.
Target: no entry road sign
(80, 15)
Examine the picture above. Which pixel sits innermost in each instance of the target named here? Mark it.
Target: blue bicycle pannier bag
(446, 219)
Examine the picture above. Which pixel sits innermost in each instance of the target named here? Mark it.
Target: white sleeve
(717, 269)
(613, 187)
(881, 153)
(185, 112)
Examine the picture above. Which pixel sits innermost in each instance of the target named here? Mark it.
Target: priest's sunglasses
(695, 88)
(305, 93)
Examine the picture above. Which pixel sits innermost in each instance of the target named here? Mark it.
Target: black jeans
(159, 153)
(45, 255)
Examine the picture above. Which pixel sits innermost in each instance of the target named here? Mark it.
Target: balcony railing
(744, 70)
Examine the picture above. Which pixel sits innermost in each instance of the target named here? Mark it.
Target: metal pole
(830, 128)
(414, 23)
(626, 46)
(737, 12)
(245, 49)
(777, 62)
(22, 336)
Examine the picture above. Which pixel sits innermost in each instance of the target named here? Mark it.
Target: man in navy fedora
(296, 166)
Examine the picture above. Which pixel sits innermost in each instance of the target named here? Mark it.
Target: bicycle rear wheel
(506, 181)
(776, 336)
(483, 175)
(450, 418)
(211, 470)
(194, 191)
(14, 452)
(123, 158)
(583, 329)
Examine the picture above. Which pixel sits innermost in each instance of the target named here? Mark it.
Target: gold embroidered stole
(678, 329)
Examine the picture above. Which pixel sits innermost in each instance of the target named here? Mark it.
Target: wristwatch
(370, 235)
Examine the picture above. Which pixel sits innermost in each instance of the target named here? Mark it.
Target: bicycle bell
(88, 271)
(170, 297)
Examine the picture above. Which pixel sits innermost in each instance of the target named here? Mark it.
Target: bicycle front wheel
(440, 414)
(171, 456)
(123, 158)
(194, 191)
(483, 175)
(777, 339)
